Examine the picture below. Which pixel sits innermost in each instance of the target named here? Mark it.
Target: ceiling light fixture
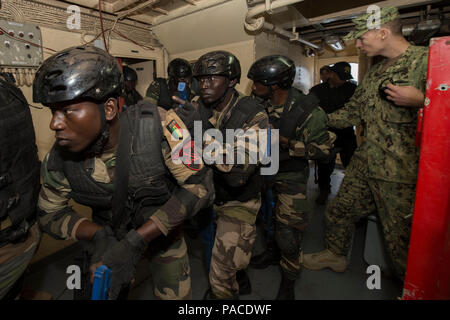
(335, 43)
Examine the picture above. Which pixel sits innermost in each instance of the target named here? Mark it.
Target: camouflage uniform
(168, 255)
(19, 188)
(15, 258)
(382, 174)
(290, 186)
(236, 229)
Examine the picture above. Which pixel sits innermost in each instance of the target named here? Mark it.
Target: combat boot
(287, 288)
(324, 259)
(245, 286)
(271, 256)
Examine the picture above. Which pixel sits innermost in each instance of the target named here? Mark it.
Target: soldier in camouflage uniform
(237, 186)
(19, 188)
(303, 136)
(161, 90)
(130, 94)
(332, 95)
(381, 176)
(90, 140)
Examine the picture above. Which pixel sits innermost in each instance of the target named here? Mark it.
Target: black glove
(188, 114)
(122, 258)
(101, 241)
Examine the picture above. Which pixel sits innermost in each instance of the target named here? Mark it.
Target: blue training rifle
(102, 282)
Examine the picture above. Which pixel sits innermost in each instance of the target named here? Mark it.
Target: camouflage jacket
(259, 121)
(389, 146)
(59, 219)
(243, 211)
(313, 131)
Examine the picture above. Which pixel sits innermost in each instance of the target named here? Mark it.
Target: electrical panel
(20, 44)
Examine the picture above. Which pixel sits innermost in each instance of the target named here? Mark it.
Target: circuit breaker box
(20, 44)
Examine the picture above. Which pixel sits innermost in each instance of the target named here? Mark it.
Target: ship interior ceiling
(145, 35)
(305, 19)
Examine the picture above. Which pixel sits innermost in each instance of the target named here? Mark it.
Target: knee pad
(288, 240)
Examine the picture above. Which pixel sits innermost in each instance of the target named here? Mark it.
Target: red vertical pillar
(428, 268)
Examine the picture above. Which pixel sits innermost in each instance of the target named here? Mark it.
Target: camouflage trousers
(15, 258)
(170, 270)
(291, 210)
(360, 196)
(231, 252)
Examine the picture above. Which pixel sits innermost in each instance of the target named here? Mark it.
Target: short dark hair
(395, 26)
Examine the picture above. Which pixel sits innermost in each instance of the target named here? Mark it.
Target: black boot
(287, 288)
(271, 256)
(243, 281)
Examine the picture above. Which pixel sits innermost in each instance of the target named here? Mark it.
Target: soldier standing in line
(238, 195)
(122, 168)
(332, 96)
(19, 188)
(131, 96)
(302, 125)
(161, 90)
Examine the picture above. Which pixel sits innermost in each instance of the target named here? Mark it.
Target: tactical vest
(19, 164)
(150, 184)
(243, 112)
(295, 112)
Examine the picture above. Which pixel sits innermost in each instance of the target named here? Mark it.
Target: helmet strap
(97, 146)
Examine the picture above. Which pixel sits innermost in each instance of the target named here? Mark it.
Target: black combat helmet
(275, 69)
(179, 68)
(129, 74)
(221, 63)
(78, 72)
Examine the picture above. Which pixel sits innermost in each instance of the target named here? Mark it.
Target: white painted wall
(212, 27)
(144, 71)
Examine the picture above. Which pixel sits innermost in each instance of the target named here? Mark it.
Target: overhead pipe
(254, 24)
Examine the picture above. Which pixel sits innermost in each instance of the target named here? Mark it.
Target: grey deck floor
(313, 285)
